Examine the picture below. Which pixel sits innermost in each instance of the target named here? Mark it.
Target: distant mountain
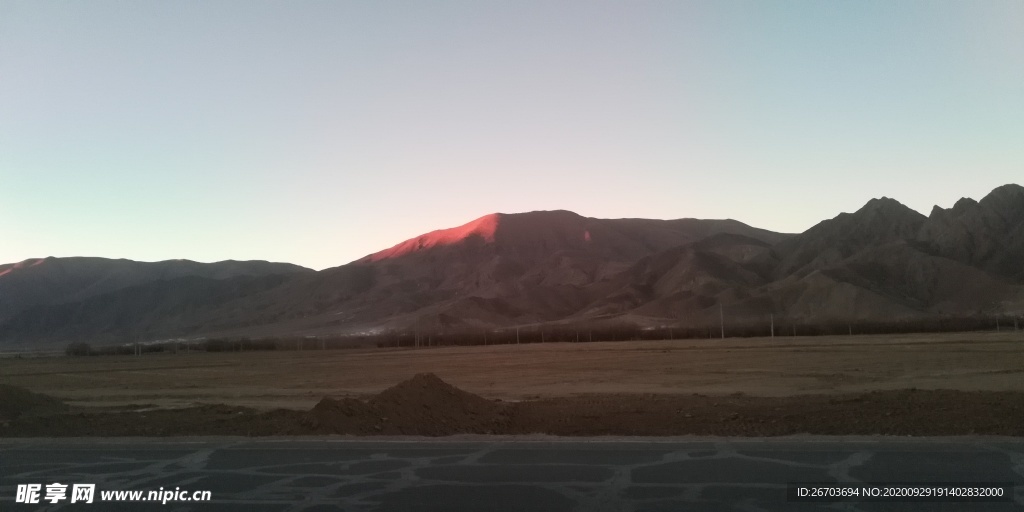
(50, 281)
(175, 307)
(496, 270)
(522, 268)
(688, 282)
(883, 262)
(538, 235)
(878, 222)
(986, 234)
(886, 261)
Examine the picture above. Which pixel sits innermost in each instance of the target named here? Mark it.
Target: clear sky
(318, 132)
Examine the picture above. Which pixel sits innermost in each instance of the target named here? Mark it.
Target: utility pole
(517, 335)
(721, 319)
(773, 325)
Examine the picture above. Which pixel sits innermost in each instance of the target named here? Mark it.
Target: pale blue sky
(318, 132)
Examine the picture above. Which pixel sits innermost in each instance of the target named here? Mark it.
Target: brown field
(780, 367)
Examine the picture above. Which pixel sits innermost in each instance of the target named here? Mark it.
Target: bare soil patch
(16, 402)
(426, 405)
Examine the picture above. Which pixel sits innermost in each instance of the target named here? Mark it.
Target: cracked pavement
(508, 473)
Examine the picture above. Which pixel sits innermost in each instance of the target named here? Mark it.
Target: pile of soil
(16, 402)
(423, 405)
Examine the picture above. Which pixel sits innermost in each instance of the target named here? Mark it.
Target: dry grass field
(754, 366)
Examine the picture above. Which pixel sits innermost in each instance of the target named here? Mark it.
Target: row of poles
(721, 323)
(420, 342)
(419, 339)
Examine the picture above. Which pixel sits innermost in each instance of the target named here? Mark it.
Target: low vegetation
(554, 334)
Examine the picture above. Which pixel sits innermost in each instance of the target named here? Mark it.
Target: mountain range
(884, 262)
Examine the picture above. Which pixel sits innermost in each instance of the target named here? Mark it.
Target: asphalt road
(533, 474)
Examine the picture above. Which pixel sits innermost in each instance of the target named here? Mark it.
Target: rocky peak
(1007, 202)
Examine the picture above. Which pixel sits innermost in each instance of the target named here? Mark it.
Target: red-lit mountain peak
(509, 231)
(484, 227)
(32, 262)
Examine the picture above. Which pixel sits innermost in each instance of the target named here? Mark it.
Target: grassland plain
(757, 367)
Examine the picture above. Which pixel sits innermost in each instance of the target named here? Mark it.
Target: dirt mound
(422, 405)
(348, 416)
(427, 402)
(15, 402)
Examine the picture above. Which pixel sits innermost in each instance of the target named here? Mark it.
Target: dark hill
(49, 281)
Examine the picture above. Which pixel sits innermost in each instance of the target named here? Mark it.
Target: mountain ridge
(881, 262)
(50, 280)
